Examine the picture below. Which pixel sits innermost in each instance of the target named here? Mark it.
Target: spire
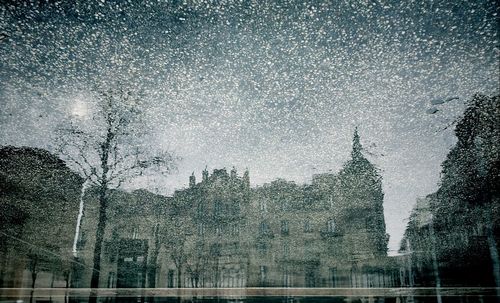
(356, 145)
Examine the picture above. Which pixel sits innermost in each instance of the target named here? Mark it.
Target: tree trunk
(152, 274)
(66, 278)
(103, 191)
(152, 268)
(33, 280)
(99, 237)
(179, 274)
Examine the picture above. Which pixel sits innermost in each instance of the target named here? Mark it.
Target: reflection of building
(39, 198)
(221, 233)
(419, 247)
(330, 233)
(218, 232)
(130, 242)
(214, 244)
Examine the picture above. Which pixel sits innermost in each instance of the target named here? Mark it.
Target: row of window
(221, 229)
(285, 229)
(234, 229)
(285, 205)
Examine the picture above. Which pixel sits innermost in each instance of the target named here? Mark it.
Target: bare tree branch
(105, 153)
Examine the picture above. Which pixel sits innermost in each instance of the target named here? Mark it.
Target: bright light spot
(80, 108)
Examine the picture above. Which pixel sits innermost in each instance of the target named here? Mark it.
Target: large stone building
(220, 232)
(330, 233)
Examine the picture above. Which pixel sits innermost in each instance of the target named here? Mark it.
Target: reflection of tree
(468, 198)
(196, 263)
(153, 259)
(204, 224)
(107, 153)
(215, 254)
(455, 231)
(174, 233)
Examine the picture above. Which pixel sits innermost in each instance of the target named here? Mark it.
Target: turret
(192, 180)
(246, 178)
(204, 175)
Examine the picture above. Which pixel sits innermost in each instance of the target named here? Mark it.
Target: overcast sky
(275, 87)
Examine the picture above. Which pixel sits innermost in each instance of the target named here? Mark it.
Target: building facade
(220, 232)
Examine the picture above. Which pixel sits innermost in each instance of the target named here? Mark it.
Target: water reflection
(222, 233)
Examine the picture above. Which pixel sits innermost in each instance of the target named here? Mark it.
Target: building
(39, 202)
(330, 233)
(132, 240)
(220, 232)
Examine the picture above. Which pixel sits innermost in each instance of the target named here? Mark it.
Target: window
(262, 248)
(82, 240)
(156, 229)
(218, 208)
(331, 226)
(263, 228)
(200, 210)
(263, 275)
(263, 206)
(201, 229)
(307, 226)
(284, 205)
(286, 250)
(370, 130)
(284, 227)
(135, 233)
(139, 280)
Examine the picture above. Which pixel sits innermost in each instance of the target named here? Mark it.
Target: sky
(273, 86)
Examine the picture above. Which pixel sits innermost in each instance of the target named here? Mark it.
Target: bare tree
(108, 151)
(197, 262)
(175, 232)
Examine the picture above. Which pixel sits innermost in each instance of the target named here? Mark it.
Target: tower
(361, 198)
